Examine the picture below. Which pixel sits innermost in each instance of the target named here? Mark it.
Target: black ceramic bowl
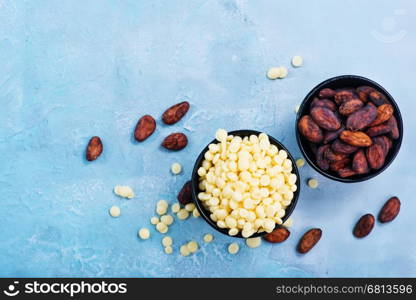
(195, 182)
(338, 82)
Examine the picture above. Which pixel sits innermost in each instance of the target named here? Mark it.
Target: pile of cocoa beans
(351, 130)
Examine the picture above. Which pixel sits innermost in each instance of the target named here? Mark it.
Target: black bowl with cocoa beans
(349, 128)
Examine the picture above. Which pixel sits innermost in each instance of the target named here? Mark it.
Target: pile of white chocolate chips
(246, 183)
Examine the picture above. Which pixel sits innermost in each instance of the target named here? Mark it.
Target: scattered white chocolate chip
(313, 183)
(115, 211)
(288, 222)
(297, 61)
(233, 248)
(176, 207)
(154, 220)
(192, 246)
(282, 72)
(167, 219)
(124, 191)
(167, 241)
(190, 207)
(208, 238)
(195, 213)
(300, 162)
(182, 214)
(162, 203)
(168, 250)
(273, 73)
(161, 210)
(253, 242)
(161, 227)
(176, 168)
(184, 250)
(144, 233)
(221, 135)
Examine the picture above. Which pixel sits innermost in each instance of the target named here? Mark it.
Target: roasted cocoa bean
(384, 113)
(378, 98)
(344, 148)
(356, 138)
(346, 172)
(384, 142)
(340, 164)
(175, 141)
(174, 113)
(321, 161)
(324, 103)
(362, 117)
(310, 130)
(379, 129)
(332, 156)
(329, 136)
(394, 133)
(364, 226)
(326, 93)
(325, 118)
(343, 95)
(278, 235)
(350, 106)
(375, 156)
(363, 92)
(390, 210)
(359, 163)
(309, 240)
(144, 128)
(94, 148)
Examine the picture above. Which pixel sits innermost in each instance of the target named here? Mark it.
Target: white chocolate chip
(313, 183)
(297, 61)
(233, 248)
(182, 214)
(154, 220)
(167, 219)
(161, 210)
(176, 168)
(162, 203)
(168, 250)
(273, 73)
(300, 162)
(176, 207)
(167, 241)
(253, 242)
(221, 135)
(161, 227)
(184, 250)
(190, 207)
(124, 191)
(192, 246)
(208, 238)
(195, 213)
(115, 211)
(144, 233)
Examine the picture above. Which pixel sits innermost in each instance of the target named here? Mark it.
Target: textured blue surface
(73, 69)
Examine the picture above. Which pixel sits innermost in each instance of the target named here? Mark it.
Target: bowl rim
(195, 181)
(371, 83)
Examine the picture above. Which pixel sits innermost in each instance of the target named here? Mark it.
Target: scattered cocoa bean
(144, 128)
(364, 226)
(185, 194)
(174, 113)
(94, 148)
(278, 235)
(309, 240)
(175, 141)
(390, 210)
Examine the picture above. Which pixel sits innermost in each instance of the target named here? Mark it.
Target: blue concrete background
(73, 69)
